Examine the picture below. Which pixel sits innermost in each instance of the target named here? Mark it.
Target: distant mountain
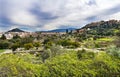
(16, 30)
(59, 30)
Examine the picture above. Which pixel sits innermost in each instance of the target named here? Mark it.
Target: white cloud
(68, 12)
(113, 16)
(24, 18)
(106, 4)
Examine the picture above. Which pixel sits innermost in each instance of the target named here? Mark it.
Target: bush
(83, 54)
(3, 37)
(65, 65)
(69, 43)
(15, 46)
(113, 51)
(56, 50)
(16, 37)
(37, 44)
(117, 42)
(28, 46)
(45, 55)
(80, 53)
(97, 45)
(48, 44)
(4, 44)
(15, 66)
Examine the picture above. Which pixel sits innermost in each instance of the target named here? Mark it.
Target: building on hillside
(9, 36)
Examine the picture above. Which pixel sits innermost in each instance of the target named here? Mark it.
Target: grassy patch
(109, 39)
(100, 42)
(1, 50)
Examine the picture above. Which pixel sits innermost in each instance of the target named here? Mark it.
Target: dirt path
(93, 50)
(6, 51)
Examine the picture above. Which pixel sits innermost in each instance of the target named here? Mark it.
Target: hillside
(102, 27)
(16, 30)
(103, 24)
(93, 53)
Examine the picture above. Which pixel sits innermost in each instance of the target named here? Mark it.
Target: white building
(9, 36)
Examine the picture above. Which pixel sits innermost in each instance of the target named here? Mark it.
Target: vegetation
(69, 43)
(28, 46)
(93, 51)
(4, 44)
(1, 50)
(16, 37)
(14, 47)
(70, 64)
(3, 37)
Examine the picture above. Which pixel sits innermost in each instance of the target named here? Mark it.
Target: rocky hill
(101, 28)
(103, 24)
(16, 30)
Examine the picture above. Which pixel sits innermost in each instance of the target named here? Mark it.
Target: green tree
(26, 40)
(114, 51)
(37, 44)
(3, 37)
(69, 43)
(16, 36)
(4, 44)
(80, 53)
(28, 46)
(48, 44)
(118, 34)
(14, 47)
(45, 55)
(56, 50)
(83, 54)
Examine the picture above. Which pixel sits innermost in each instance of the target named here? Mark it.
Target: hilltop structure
(100, 25)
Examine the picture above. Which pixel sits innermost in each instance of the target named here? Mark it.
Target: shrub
(48, 44)
(16, 37)
(97, 45)
(80, 53)
(69, 43)
(4, 44)
(15, 46)
(83, 54)
(15, 66)
(36, 44)
(113, 51)
(56, 50)
(45, 55)
(117, 42)
(65, 65)
(28, 46)
(3, 37)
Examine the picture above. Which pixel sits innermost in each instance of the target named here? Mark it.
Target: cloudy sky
(37, 15)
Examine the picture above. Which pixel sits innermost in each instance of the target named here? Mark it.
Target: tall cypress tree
(3, 37)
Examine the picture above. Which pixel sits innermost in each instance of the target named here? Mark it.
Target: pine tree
(3, 37)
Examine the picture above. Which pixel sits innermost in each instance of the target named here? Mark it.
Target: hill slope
(101, 28)
(103, 24)
(16, 30)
